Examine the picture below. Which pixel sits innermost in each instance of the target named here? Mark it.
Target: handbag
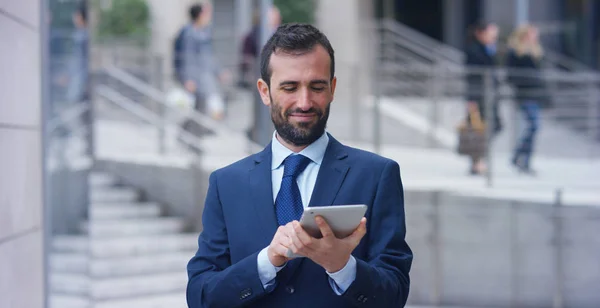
(471, 136)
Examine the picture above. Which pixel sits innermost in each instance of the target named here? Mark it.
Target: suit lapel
(261, 192)
(331, 174)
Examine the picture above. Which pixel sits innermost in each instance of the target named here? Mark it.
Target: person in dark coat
(524, 57)
(481, 54)
(251, 47)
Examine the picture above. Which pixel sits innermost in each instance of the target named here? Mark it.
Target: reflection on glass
(68, 153)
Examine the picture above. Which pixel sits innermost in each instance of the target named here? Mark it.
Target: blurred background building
(103, 188)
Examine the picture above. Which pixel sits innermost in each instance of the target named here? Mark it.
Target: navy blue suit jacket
(239, 221)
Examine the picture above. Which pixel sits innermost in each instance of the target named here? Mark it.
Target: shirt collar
(315, 151)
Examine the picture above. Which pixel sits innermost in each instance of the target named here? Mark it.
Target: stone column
(349, 26)
(21, 206)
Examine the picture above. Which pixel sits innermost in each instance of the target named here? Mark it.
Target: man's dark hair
(295, 39)
(195, 11)
(477, 27)
(82, 11)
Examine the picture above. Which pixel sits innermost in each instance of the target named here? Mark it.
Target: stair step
(78, 263)
(174, 300)
(115, 288)
(70, 243)
(64, 262)
(100, 179)
(132, 227)
(120, 287)
(126, 246)
(140, 265)
(72, 284)
(69, 301)
(113, 194)
(143, 245)
(103, 211)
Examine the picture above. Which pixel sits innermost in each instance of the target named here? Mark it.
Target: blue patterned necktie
(288, 204)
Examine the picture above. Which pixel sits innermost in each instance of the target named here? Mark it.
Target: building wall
(454, 23)
(347, 25)
(543, 13)
(21, 223)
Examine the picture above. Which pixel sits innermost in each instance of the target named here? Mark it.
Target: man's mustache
(300, 111)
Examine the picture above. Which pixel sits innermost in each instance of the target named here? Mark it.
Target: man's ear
(263, 90)
(333, 84)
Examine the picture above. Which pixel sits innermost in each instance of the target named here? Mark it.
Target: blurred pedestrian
(525, 55)
(196, 66)
(251, 47)
(481, 54)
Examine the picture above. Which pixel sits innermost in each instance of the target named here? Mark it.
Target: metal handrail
(160, 97)
(557, 59)
(67, 116)
(143, 113)
(416, 51)
(456, 56)
(463, 71)
(129, 105)
(437, 48)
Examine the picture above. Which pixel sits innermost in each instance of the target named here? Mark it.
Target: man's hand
(190, 85)
(472, 107)
(225, 77)
(278, 248)
(329, 252)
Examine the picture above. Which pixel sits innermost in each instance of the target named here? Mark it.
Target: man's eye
(318, 89)
(289, 89)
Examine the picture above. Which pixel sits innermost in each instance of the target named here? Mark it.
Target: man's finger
(360, 231)
(280, 250)
(324, 227)
(301, 235)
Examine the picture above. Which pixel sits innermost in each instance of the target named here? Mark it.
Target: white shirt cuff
(266, 270)
(341, 280)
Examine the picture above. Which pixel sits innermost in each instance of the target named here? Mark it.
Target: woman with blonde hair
(524, 56)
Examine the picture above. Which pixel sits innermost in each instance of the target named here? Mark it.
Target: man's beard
(303, 133)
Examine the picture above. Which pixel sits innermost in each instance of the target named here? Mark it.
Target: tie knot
(294, 165)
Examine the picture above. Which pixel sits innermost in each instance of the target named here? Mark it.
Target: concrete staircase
(128, 255)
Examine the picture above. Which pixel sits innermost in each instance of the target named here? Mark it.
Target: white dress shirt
(340, 280)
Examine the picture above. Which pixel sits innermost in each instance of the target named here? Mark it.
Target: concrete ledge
(179, 189)
(487, 252)
(68, 191)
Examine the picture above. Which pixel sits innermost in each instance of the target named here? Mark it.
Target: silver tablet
(343, 220)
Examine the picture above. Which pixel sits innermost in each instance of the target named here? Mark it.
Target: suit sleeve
(212, 280)
(383, 280)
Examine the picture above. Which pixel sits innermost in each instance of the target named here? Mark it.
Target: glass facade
(581, 39)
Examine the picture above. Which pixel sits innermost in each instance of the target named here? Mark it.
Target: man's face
(491, 34)
(206, 15)
(300, 94)
(78, 20)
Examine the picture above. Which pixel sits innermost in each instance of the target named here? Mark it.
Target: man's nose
(304, 100)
